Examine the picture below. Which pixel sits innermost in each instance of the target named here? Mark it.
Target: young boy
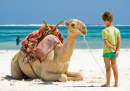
(112, 42)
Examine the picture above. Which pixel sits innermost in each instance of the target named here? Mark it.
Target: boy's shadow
(83, 86)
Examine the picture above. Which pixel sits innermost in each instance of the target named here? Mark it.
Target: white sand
(82, 61)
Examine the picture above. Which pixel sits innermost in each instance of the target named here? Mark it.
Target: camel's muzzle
(84, 31)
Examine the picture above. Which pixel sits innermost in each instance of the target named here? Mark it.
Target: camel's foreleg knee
(48, 76)
(74, 76)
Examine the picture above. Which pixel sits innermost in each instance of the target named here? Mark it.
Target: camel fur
(55, 66)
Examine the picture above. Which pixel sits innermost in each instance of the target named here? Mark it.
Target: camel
(55, 66)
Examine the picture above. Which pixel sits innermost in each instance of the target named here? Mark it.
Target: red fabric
(33, 38)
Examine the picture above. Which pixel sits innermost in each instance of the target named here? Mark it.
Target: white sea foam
(22, 25)
(28, 25)
(104, 25)
(50, 24)
(121, 25)
(95, 25)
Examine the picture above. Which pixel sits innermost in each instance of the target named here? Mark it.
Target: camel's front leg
(74, 76)
(48, 76)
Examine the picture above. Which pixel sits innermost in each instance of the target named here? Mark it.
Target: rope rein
(93, 55)
(27, 61)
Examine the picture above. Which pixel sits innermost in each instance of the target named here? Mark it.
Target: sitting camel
(55, 66)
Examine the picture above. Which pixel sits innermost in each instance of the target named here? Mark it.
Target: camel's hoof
(63, 78)
(80, 76)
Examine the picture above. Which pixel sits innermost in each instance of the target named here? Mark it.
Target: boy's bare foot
(115, 85)
(105, 85)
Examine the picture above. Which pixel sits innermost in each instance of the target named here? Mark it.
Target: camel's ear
(66, 23)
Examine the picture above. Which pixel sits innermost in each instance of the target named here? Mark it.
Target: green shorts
(109, 55)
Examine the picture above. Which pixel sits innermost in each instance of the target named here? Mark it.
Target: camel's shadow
(35, 81)
(7, 77)
(42, 82)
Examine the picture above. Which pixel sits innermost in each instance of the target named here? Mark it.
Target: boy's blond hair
(108, 16)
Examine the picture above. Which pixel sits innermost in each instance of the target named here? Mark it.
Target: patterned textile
(35, 37)
(45, 46)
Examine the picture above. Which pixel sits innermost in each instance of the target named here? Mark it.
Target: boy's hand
(114, 48)
(117, 54)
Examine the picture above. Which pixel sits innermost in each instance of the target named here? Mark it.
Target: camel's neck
(68, 48)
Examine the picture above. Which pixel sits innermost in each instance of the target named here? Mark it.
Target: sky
(53, 11)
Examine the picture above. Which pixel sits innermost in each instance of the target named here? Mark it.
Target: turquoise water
(8, 35)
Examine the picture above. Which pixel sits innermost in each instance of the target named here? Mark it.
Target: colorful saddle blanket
(35, 37)
(45, 46)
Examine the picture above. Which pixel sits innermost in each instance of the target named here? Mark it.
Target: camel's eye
(72, 25)
(83, 27)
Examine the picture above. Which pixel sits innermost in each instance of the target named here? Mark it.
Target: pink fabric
(45, 46)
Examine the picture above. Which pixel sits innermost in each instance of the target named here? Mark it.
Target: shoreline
(81, 61)
(74, 49)
(35, 25)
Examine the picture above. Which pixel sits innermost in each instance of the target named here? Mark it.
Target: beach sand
(81, 61)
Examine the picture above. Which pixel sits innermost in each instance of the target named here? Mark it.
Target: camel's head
(76, 27)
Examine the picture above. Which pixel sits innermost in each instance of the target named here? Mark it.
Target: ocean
(9, 33)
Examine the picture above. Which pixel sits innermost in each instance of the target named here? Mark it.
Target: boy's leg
(115, 70)
(108, 71)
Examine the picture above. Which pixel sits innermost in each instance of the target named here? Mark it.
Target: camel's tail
(15, 68)
(15, 58)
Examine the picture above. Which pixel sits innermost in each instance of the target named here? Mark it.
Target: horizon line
(54, 25)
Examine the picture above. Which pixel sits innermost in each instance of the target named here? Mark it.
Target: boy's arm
(118, 47)
(109, 45)
(118, 44)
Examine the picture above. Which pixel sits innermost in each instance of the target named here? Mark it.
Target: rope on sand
(93, 55)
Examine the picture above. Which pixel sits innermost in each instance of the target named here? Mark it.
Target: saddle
(35, 37)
